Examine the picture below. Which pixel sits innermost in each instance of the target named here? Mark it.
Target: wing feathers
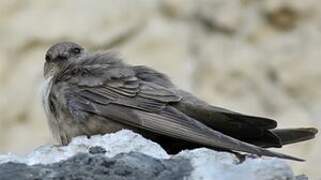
(118, 92)
(172, 123)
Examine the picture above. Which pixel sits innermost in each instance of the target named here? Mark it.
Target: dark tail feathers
(289, 136)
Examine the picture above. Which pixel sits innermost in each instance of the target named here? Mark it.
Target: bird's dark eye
(76, 50)
(48, 58)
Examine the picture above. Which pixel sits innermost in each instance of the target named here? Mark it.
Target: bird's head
(59, 55)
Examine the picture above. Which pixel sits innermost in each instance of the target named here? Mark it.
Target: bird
(89, 93)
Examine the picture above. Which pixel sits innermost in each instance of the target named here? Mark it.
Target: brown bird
(96, 93)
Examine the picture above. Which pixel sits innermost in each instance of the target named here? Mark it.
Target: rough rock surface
(126, 155)
(255, 56)
(126, 166)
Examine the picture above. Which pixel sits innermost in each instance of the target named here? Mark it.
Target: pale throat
(45, 91)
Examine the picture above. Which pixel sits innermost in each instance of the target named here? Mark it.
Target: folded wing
(115, 92)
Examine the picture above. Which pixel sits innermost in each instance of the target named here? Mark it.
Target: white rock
(207, 164)
(120, 142)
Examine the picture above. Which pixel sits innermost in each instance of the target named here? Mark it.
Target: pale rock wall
(255, 56)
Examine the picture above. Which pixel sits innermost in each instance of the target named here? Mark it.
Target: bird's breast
(51, 119)
(45, 91)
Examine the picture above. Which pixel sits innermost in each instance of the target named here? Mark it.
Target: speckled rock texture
(127, 156)
(259, 57)
(129, 166)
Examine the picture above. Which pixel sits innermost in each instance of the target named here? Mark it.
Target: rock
(127, 155)
(96, 150)
(301, 177)
(112, 144)
(210, 164)
(124, 166)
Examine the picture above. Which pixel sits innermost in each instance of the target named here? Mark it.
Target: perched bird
(96, 93)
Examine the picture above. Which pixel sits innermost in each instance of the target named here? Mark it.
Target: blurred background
(259, 57)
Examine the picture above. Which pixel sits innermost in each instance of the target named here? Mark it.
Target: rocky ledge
(127, 155)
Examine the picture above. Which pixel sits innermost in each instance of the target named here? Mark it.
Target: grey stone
(96, 150)
(130, 154)
(301, 177)
(124, 166)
